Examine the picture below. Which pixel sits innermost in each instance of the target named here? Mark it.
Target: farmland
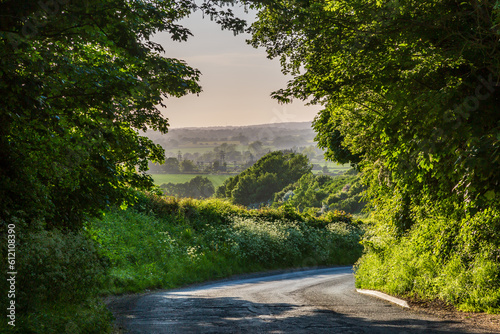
(230, 150)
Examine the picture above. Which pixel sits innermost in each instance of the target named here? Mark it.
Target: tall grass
(59, 275)
(159, 243)
(168, 243)
(456, 261)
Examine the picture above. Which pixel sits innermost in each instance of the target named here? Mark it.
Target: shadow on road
(185, 313)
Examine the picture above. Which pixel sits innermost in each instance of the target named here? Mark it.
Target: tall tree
(410, 91)
(171, 165)
(268, 175)
(79, 79)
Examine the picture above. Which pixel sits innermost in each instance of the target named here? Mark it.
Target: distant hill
(231, 149)
(277, 135)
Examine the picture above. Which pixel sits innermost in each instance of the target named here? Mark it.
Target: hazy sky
(237, 80)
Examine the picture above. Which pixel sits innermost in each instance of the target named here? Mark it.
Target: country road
(312, 301)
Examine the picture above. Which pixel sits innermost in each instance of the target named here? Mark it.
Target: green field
(159, 179)
(332, 166)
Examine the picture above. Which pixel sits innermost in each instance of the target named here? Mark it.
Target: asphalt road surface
(311, 301)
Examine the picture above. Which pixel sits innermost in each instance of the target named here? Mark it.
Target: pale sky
(237, 80)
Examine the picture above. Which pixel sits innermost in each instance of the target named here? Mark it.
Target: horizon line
(236, 126)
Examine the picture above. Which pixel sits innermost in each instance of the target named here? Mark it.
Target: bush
(457, 261)
(198, 187)
(189, 241)
(57, 282)
(198, 213)
(341, 193)
(271, 173)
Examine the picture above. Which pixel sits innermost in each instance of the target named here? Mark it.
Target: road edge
(386, 297)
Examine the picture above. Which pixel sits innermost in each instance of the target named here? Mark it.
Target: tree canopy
(198, 187)
(268, 175)
(324, 193)
(410, 90)
(79, 80)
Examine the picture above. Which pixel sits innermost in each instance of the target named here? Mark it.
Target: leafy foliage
(79, 79)
(324, 192)
(171, 165)
(197, 187)
(411, 95)
(165, 242)
(453, 260)
(268, 175)
(59, 278)
(410, 89)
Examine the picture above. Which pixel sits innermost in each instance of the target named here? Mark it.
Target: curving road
(311, 301)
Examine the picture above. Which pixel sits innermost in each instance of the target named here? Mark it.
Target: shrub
(457, 261)
(208, 239)
(198, 187)
(268, 175)
(57, 282)
(341, 193)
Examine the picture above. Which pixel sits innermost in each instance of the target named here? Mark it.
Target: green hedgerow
(59, 276)
(457, 261)
(195, 240)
